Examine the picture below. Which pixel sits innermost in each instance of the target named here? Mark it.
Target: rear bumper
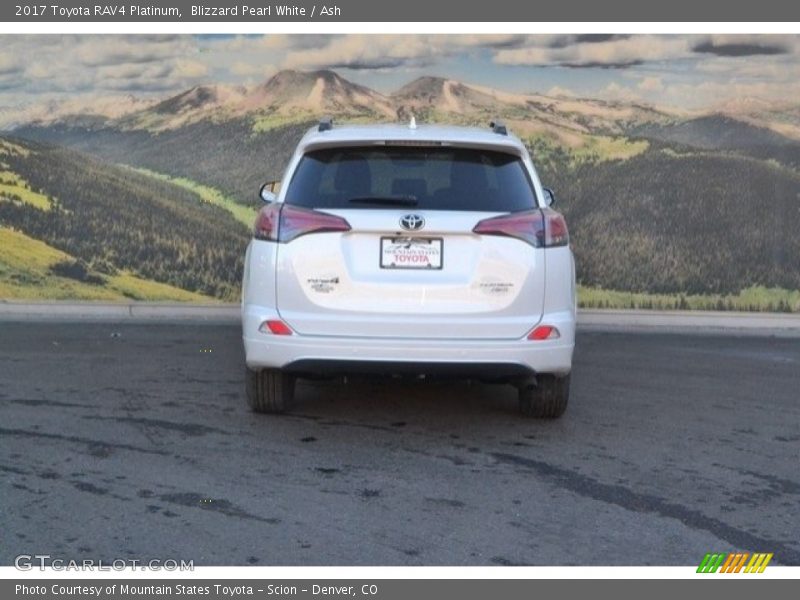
(479, 358)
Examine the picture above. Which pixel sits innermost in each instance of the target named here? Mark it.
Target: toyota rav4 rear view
(398, 249)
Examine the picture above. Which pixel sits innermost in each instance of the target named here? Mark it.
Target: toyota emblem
(412, 222)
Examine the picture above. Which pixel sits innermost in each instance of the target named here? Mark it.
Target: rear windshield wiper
(387, 200)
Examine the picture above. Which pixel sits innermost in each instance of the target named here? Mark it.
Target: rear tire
(547, 399)
(269, 390)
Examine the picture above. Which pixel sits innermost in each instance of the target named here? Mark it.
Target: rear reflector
(544, 332)
(278, 222)
(541, 228)
(275, 327)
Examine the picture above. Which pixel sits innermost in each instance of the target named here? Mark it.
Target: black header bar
(465, 11)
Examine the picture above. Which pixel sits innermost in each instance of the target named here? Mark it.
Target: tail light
(541, 227)
(266, 227)
(280, 222)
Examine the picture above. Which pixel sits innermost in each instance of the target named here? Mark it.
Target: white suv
(424, 251)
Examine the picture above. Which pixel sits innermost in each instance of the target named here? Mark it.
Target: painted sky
(684, 71)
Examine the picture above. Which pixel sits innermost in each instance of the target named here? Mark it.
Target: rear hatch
(410, 265)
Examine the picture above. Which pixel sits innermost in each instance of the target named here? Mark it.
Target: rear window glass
(423, 177)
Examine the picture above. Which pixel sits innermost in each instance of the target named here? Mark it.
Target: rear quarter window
(433, 178)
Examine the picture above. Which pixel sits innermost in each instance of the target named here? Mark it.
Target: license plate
(411, 253)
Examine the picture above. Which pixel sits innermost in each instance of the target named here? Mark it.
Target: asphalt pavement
(134, 441)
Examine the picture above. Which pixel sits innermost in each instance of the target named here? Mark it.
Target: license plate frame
(430, 247)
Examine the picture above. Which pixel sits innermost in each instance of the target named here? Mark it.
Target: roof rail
(325, 124)
(499, 127)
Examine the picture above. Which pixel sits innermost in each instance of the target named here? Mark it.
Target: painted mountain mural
(153, 199)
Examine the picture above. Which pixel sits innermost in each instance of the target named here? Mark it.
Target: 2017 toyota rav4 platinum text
(398, 249)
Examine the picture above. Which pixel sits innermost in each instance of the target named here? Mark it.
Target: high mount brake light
(280, 222)
(540, 227)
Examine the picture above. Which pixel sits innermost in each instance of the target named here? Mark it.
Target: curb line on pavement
(766, 324)
(134, 311)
